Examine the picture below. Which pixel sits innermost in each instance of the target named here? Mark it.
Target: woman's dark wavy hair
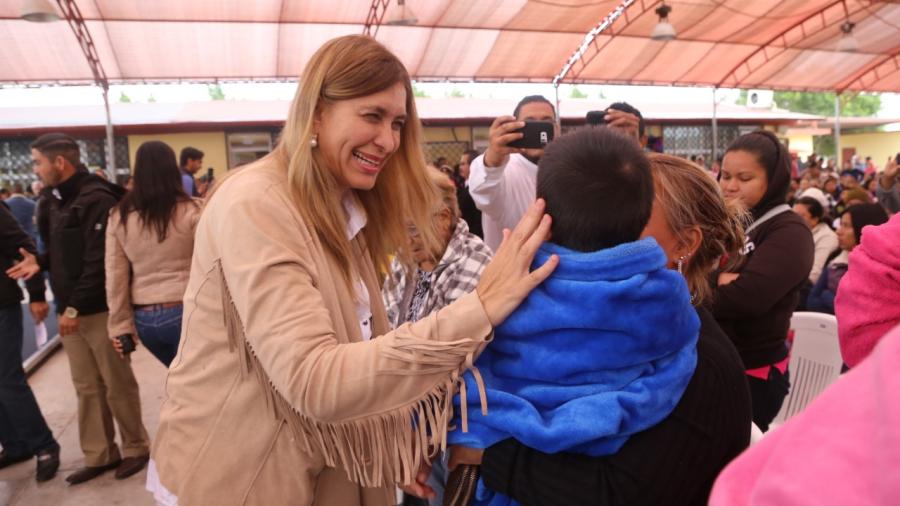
(157, 188)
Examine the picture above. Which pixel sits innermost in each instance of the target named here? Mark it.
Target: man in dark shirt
(23, 431)
(23, 209)
(467, 207)
(75, 228)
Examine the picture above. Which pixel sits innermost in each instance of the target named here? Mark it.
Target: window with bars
(696, 140)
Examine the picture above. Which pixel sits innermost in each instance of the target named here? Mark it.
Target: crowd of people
(581, 322)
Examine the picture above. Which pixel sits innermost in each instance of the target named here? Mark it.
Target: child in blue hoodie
(606, 346)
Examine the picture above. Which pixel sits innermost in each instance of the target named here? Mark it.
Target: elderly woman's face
(357, 136)
(444, 226)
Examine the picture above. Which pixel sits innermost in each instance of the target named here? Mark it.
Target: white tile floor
(56, 396)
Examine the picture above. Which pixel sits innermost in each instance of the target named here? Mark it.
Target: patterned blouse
(411, 293)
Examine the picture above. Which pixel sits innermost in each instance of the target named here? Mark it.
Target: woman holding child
(648, 453)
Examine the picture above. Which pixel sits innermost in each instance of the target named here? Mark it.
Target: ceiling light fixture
(663, 30)
(402, 15)
(38, 11)
(848, 42)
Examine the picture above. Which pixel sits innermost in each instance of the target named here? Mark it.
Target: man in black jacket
(23, 430)
(75, 231)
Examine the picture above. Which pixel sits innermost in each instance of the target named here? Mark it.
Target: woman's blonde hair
(690, 197)
(345, 68)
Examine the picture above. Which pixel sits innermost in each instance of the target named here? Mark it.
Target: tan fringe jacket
(273, 397)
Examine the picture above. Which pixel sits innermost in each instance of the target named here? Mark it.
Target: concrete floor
(54, 391)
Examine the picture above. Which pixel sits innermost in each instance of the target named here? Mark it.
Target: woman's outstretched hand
(508, 279)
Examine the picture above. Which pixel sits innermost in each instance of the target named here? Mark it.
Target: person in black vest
(75, 228)
(754, 302)
(23, 431)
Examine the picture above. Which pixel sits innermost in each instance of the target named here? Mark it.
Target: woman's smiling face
(357, 136)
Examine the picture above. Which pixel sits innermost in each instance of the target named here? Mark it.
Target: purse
(461, 483)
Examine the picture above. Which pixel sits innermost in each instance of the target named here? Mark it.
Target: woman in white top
(813, 213)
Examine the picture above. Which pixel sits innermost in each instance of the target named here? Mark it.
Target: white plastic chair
(815, 361)
(756, 434)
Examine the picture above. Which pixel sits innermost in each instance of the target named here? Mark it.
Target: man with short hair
(191, 161)
(4, 193)
(628, 119)
(75, 228)
(503, 179)
(23, 431)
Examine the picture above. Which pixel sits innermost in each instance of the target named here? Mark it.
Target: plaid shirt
(455, 275)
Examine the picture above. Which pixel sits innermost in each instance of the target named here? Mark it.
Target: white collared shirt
(356, 221)
(503, 194)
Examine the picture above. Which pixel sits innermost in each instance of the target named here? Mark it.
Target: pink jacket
(844, 448)
(866, 304)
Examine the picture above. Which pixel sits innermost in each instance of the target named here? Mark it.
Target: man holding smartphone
(503, 180)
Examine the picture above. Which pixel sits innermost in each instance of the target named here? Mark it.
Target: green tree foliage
(215, 91)
(124, 99)
(419, 92)
(455, 93)
(576, 93)
(822, 104)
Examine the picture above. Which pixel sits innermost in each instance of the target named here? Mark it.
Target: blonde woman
(280, 392)
(678, 459)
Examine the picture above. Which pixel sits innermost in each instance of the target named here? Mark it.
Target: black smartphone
(209, 174)
(897, 159)
(595, 118)
(536, 135)
(127, 342)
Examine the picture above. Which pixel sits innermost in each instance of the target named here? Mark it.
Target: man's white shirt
(503, 194)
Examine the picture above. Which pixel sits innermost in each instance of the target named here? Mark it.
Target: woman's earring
(681, 260)
(314, 142)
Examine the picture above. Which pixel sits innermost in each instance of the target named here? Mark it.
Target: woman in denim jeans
(149, 243)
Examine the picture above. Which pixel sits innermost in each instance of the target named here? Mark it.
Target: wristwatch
(70, 313)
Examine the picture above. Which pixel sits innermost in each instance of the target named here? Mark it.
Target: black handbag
(461, 485)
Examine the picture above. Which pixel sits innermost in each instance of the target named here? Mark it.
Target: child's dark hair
(598, 188)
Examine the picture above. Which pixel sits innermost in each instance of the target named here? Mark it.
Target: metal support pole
(715, 129)
(110, 140)
(838, 155)
(558, 115)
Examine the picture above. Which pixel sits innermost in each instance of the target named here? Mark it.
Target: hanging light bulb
(663, 30)
(848, 42)
(402, 15)
(39, 11)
